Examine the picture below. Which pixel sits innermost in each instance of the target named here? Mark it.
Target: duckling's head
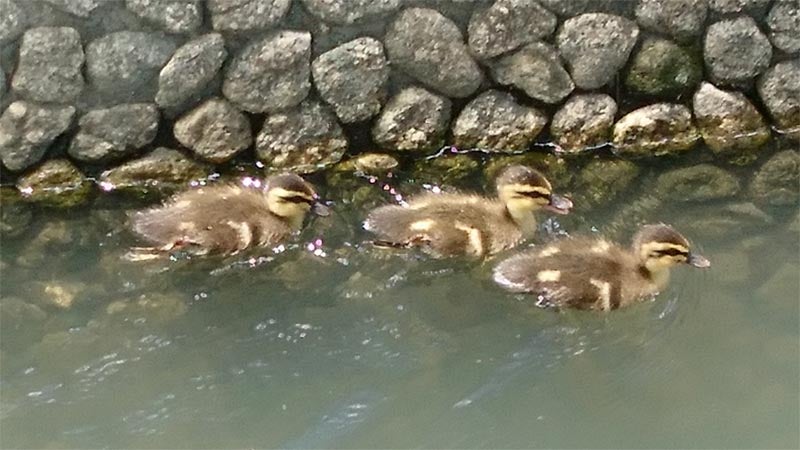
(661, 247)
(290, 197)
(524, 190)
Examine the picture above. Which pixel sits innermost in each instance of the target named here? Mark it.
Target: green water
(355, 347)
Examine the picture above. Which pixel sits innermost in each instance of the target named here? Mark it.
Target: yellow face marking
(474, 235)
(422, 225)
(548, 276)
(285, 193)
(550, 251)
(528, 188)
(660, 246)
(601, 247)
(604, 291)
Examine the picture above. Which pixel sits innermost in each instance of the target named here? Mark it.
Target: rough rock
(175, 16)
(352, 78)
(161, 168)
(190, 70)
(345, 12)
(698, 183)
(114, 132)
(729, 123)
(2, 83)
(429, 47)
(601, 181)
(777, 182)
(736, 51)
(216, 131)
(27, 130)
(12, 21)
(271, 73)
(654, 130)
(535, 69)
(124, 65)
(662, 68)
(507, 25)
(242, 15)
(15, 215)
(304, 139)
(494, 121)
(568, 8)
(49, 66)
(414, 119)
(80, 8)
(55, 183)
(584, 122)
(783, 22)
(738, 6)
(680, 19)
(779, 89)
(596, 46)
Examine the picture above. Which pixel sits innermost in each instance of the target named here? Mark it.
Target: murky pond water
(354, 347)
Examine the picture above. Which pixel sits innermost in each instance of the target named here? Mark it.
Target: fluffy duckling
(590, 273)
(455, 224)
(226, 218)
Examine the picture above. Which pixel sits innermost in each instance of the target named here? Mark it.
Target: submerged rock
(155, 307)
(80, 8)
(681, 19)
(190, 70)
(270, 74)
(736, 51)
(446, 169)
(584, 122)
(494, 121)
(12, 21)
(15, 216)
(429, 47)
(114, 132)
(346, 12)
(304, 139)
(596, 46)
(729, 123)
(698, 183)
(507, 25)
(662, 68)
(175, 16)
(374, 163)
(55, 183)
(602, 181)
(49, 66)
(777, 182)
(27, 130)
(216, 131)
(783, 22)
(535, 69)
(242, 15)
(655, 130)
(779, 89)
(163, 168)
(352, 78)
(413, 120)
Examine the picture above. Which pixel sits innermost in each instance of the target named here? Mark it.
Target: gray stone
(777, 182)
(494, 121)
(159, 169)
(304, 139)
(698, 183)
(49, 67)
(175, 16)
(429, 47)
(655, 130)
(737, 6)
(507, 25)
(736, 51)
(352, 78)
(680, 19)
(535, 69)
(114, 132)
(779, 89)
(596, 46)
(730, 124)
(2, 83)
(243, 15)
(783, 22)
(584, 122)
(12, 21)
(55, 183)
(345, 12)
(271, 73)
(80, 8)
(190, 70)
(124, 65)
(662, 68)
(216, 131)
(568, 8)
(413, 120)
(27, 130)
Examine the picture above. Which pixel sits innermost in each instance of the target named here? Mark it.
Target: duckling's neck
(658, 274)
(524, 219)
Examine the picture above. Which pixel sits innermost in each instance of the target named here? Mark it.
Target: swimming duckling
(226, 218)
(590, 273)
(466, 224)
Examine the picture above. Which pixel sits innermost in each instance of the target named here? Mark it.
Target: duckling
(590, 273)
(226, 218)
(454, 224)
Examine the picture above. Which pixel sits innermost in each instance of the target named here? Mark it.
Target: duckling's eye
(669, 252)
(536, 195)
(297, 199)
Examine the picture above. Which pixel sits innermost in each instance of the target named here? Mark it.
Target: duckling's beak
(559, 204)
(320, 209)
(698, 261)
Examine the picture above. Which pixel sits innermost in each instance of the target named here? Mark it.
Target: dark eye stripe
(535, 194)
(298, 199)
(672, 252)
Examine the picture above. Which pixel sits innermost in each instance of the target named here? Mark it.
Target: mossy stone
(56, 183)
(663, 68)
(603, 180)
